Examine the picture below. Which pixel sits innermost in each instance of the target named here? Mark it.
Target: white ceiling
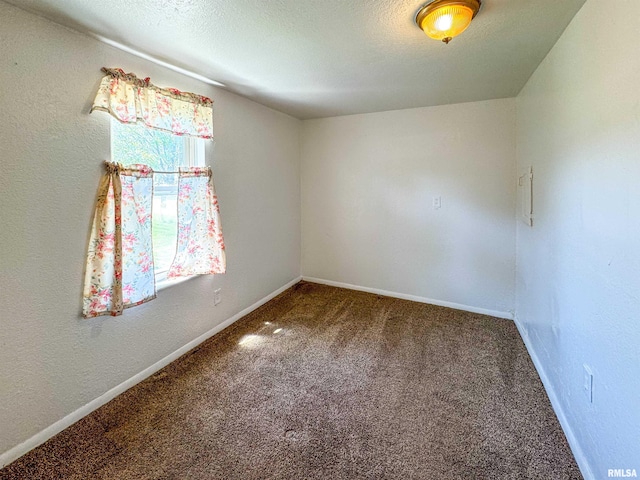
(319, 58)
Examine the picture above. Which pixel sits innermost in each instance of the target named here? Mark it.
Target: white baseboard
(456, 306)
(578, 453)
(44, 435)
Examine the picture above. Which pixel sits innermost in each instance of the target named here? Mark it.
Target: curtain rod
(169, 173)
(115, 167)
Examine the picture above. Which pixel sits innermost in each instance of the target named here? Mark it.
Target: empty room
(320, 239)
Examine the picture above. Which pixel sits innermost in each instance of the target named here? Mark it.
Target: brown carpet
(327, 383)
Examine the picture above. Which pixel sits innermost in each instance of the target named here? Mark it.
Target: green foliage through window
(134, 143)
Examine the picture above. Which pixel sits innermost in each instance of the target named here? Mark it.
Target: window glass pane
(165, 228)
(133, 143)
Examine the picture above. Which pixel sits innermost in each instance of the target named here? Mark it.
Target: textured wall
(52, 361)
(367, 187)
(578, 283)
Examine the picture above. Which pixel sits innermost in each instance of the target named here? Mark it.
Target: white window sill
(163, 282)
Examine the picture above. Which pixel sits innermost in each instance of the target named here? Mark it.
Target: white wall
(367, 187)
(578, 282)
(52, 361)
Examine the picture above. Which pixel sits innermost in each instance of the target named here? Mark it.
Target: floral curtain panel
(120, 268)
(119, 271)
(200, 243)
(132, 100)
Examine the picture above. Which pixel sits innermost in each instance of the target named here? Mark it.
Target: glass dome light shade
(445, 19)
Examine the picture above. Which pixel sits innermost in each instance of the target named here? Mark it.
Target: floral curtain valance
(131, 100)
(120, 267)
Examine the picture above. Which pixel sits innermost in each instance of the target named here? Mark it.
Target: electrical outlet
(587, 384)
(437, 202)
(217, 296)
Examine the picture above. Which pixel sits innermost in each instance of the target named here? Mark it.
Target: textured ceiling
(319, 58)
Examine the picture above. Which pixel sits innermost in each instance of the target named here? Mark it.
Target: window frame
(195, 155)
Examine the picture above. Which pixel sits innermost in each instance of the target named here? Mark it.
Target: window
(162, 151)
(139, 240)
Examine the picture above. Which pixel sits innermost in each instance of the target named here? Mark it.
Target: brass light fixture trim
(445, 19)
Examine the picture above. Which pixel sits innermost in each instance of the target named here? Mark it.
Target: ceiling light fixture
(445, 19)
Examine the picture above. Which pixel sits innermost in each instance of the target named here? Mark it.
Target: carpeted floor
(327, 383)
